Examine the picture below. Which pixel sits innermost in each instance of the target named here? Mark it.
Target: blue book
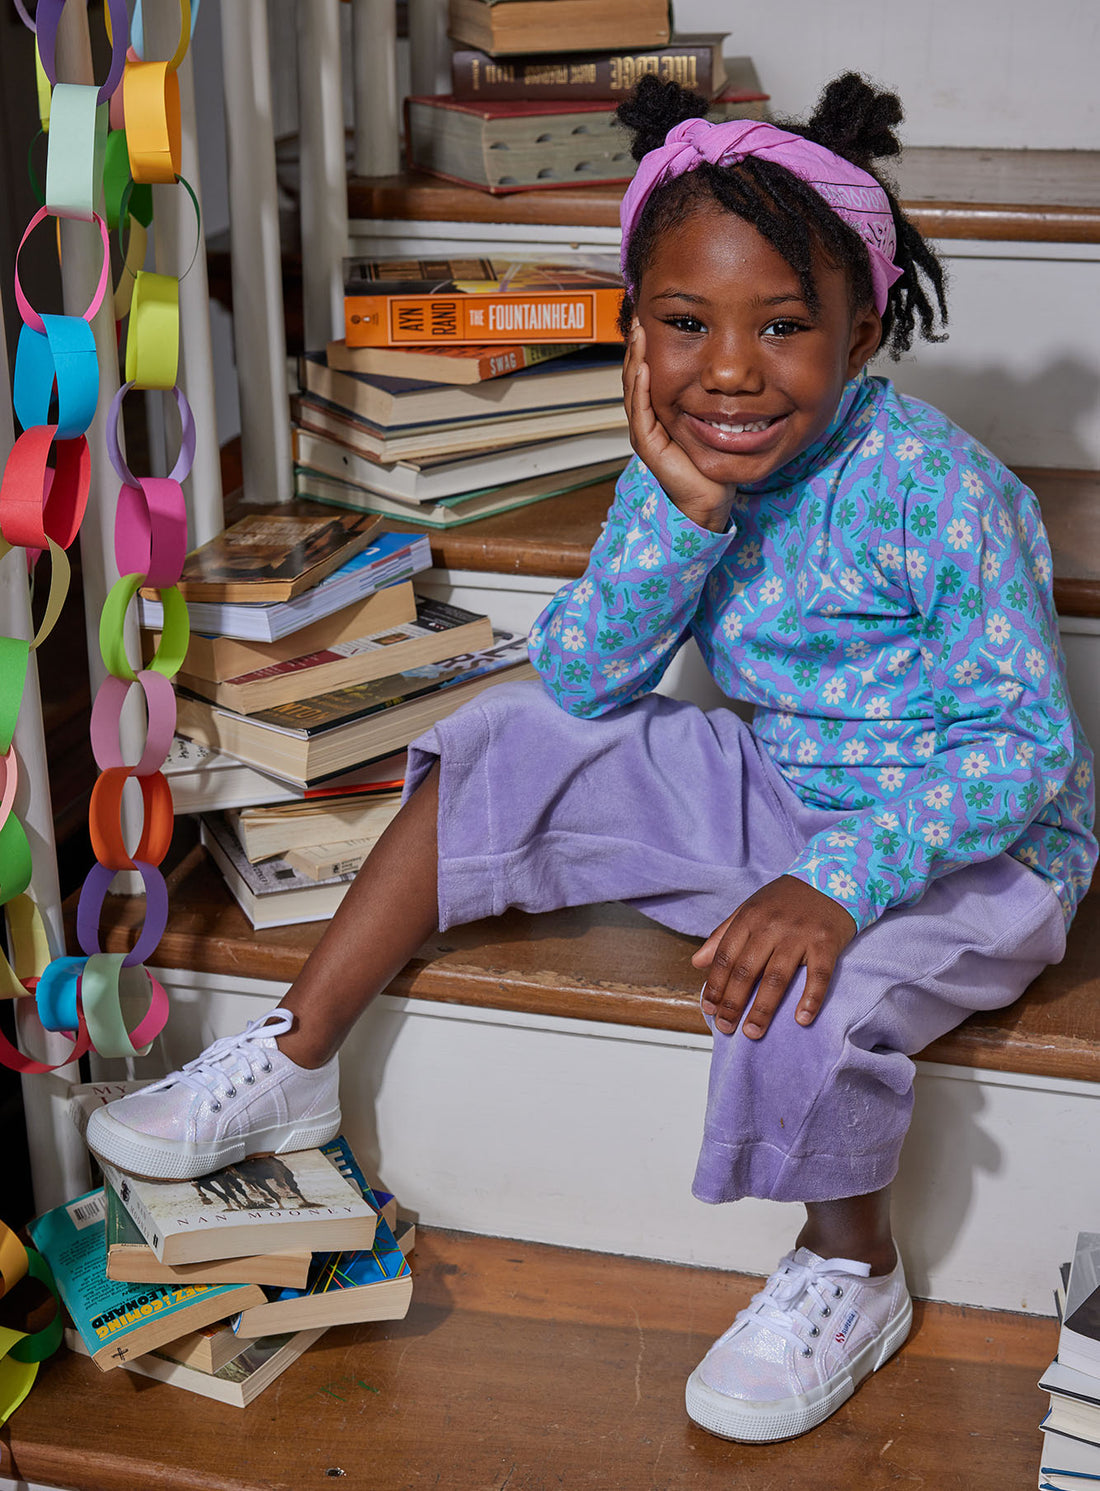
(368, 1284)
(117, 1321)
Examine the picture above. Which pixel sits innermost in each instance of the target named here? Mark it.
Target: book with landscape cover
(1079, 1336)
(389, 558)
(117, 1321)
(506, 26)
(131, 1260)
(452, 512)
(255, 1366)
(434, 479)
(266, 1201)
(593, 375)
(366, 1284)
(217, 658)
(311, 739)
(460, 365)
(405, 302)
(438, 632)
(693, 61)
(264, 832)
(272, 556)
(454, 437)
(272, 893)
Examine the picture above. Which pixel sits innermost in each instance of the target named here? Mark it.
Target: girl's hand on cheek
(704, 501)
(785, 925)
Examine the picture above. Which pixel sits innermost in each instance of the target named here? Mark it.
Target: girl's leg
(856, 1227)
(385, 916)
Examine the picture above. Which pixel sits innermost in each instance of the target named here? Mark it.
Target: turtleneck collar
(825, 448)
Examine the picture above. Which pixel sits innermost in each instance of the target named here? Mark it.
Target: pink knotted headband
(851, 193)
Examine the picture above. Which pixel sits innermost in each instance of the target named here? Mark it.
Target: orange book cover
(395, 303)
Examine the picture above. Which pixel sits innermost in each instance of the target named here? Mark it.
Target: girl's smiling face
(743, 374)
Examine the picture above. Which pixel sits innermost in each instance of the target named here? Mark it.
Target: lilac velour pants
(680, 813)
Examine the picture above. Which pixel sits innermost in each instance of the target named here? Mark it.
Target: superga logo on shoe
(849, 1320)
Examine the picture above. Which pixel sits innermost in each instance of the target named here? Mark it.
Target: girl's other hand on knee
(705, 502)
(785, 926)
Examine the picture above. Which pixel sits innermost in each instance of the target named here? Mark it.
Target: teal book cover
(117, 1321)
(367, 1284)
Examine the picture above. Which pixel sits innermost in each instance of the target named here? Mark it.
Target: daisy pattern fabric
(884, 601)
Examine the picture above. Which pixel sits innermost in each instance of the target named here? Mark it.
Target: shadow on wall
(1049, 418)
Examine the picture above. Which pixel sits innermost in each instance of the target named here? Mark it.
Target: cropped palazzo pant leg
(679, 812)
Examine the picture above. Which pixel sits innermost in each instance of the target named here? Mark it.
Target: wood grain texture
(1014, 195)
(522, 1367)
(605, 962)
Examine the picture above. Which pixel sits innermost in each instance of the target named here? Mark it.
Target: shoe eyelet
(825, 1310)
(248, 1081)
(215, 1107)
(815, 1331)
(266, 1068)
(230, 1092)
(807, 1351)
(837, 1292)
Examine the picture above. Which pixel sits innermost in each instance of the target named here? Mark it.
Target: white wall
(1008, 73)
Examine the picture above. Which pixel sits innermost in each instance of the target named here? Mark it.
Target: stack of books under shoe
(312, 665)
(1071, 1427)
(463, 388)
(217, 1285)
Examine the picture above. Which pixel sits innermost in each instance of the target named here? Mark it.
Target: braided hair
(852, 119)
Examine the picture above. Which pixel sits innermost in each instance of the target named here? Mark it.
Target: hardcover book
(692, 61)
(314, 738)
(367, 1284)
(267, 1201)
(438, 632)
(117, 1321)
(131, 1260)
(452, 512)
(390, 558)
(255, 1366)
(1067, 1464)
(451, 365)
(218, 658)
(272, 556)
(507, 26)
(1079, 1336)
(405, 302)
(449, 476)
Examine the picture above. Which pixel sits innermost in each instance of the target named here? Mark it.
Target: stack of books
(218, 1285)
(535, 84)
(1070, 1457)
(312, 665)
(463, 388)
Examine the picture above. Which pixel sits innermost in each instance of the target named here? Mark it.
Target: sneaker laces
(214, 1065)
(778, 1306)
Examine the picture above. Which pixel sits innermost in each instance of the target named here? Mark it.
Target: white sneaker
(241, 1097)
(800, 1348)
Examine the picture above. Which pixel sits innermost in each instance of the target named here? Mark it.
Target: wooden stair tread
(1015, 195)
(554, 537)
(539, 1366)
(609, 963)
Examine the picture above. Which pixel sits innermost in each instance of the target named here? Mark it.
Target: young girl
(900, 838)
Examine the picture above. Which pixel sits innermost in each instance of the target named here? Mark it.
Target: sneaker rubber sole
(785, 1418)
(167, 1159)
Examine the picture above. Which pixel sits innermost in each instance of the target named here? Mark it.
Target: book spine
(394, 320)
(140, 1214)
(606, 75)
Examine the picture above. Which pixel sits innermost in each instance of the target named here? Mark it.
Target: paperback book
(266, 1201)
(438, 632)
(314, 738)
(255, 1366)
(452, 365)
(365, 1284)
(434, 480)
(117, 1321)
(404, 302)
(272, 893)
(389, 558)
(452, 512)
(1079, 1336)
(131, 1260)
(272, 556)
(327, 823)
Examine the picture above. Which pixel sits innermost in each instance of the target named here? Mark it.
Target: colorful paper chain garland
(43, 495)
(20, 1352)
